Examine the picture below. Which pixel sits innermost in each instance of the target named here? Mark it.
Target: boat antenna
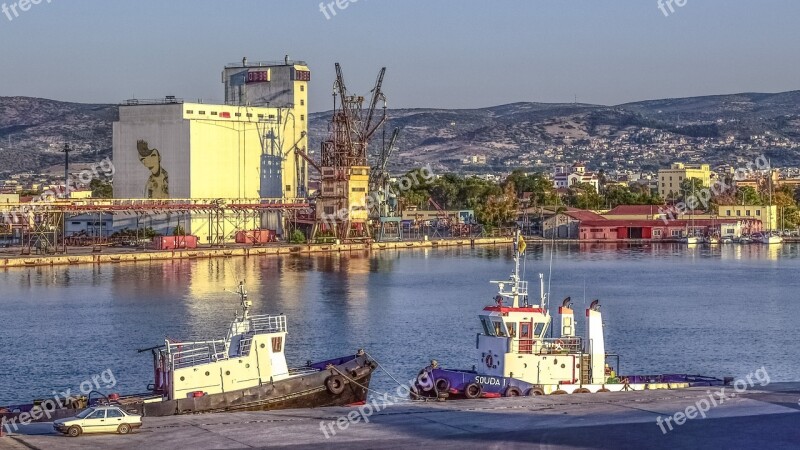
(550, 275)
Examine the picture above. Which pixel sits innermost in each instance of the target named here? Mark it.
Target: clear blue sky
(439, 53)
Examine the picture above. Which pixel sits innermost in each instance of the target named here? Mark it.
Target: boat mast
(515, 277)
(244, 302)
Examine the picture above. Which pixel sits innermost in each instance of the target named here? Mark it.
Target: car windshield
(84, 413)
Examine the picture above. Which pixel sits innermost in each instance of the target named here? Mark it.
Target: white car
(99, 419)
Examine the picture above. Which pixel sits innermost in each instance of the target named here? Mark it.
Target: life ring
(443, 385)
(489, 361)
(473, 391)
(335, 384)
(424, 381)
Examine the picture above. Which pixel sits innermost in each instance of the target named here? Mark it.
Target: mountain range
(33, 131)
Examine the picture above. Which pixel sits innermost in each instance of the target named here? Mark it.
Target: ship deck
(762, 417)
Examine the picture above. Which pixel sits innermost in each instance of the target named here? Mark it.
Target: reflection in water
(668, 308)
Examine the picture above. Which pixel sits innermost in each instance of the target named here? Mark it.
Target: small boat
(245, 371)
(745, 240)
(727, 240)
(713, 240)
(691, 240)
(519, 355)
(770, 238)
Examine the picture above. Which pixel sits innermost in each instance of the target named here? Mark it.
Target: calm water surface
(667, 308)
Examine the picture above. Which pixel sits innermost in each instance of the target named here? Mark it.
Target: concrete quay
(84, 255)
(761, 417)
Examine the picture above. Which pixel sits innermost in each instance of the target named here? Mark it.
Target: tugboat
(245, 371)
(517, 358)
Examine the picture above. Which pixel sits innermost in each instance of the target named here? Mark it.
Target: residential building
(669, 180)
(768, 215)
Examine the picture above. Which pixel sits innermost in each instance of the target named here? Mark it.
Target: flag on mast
(522, 245)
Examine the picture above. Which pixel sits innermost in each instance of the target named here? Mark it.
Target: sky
(438, 53)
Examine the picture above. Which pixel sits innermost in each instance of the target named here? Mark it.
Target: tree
(584, 196)
(101, 189)
(499, 210)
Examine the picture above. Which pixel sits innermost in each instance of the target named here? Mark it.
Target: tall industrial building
(247, 148)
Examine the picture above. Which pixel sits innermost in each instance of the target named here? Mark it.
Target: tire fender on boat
(532, 392)
(443, 385)
(512, 391)
(473, 391)
(335, 384)
(424, 381)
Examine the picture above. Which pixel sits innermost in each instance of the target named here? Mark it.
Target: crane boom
(376, 95)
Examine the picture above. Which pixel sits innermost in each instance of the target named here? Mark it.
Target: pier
(762, 417)
(85, 255)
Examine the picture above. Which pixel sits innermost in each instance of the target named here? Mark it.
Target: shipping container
(255, 236)
(174, 242)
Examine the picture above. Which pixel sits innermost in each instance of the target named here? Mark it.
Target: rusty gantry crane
(342, 207)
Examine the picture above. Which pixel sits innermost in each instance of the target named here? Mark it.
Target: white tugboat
(517, 358)
(245, 371)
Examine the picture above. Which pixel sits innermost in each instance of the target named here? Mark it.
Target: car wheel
(124, 429)
(74, 431)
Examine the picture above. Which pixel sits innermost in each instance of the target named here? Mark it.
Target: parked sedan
(99, 419)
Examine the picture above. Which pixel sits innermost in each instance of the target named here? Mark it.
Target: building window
(758, 212)
(213, 113)
(189, 111)
(249, 115)
(656, 233)
(728, 213)
(302, 117)
(359, 189)
(302, 88)
(288, 188)
(329, 210)
(302, 102)
(260, 116)
(202, 113)
(747, 213)
(676, 233)
(738, 212)
(238, 114)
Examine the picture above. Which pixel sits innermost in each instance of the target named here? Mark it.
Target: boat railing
(267, 324)
(188, 354)
(244, 345)
(522, 288)
(547, 346)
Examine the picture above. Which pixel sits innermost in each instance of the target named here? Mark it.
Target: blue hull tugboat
(518, 357)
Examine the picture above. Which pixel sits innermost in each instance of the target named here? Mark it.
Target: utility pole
(66, 152)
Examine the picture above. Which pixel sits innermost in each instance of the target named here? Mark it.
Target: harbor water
(723, 311)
